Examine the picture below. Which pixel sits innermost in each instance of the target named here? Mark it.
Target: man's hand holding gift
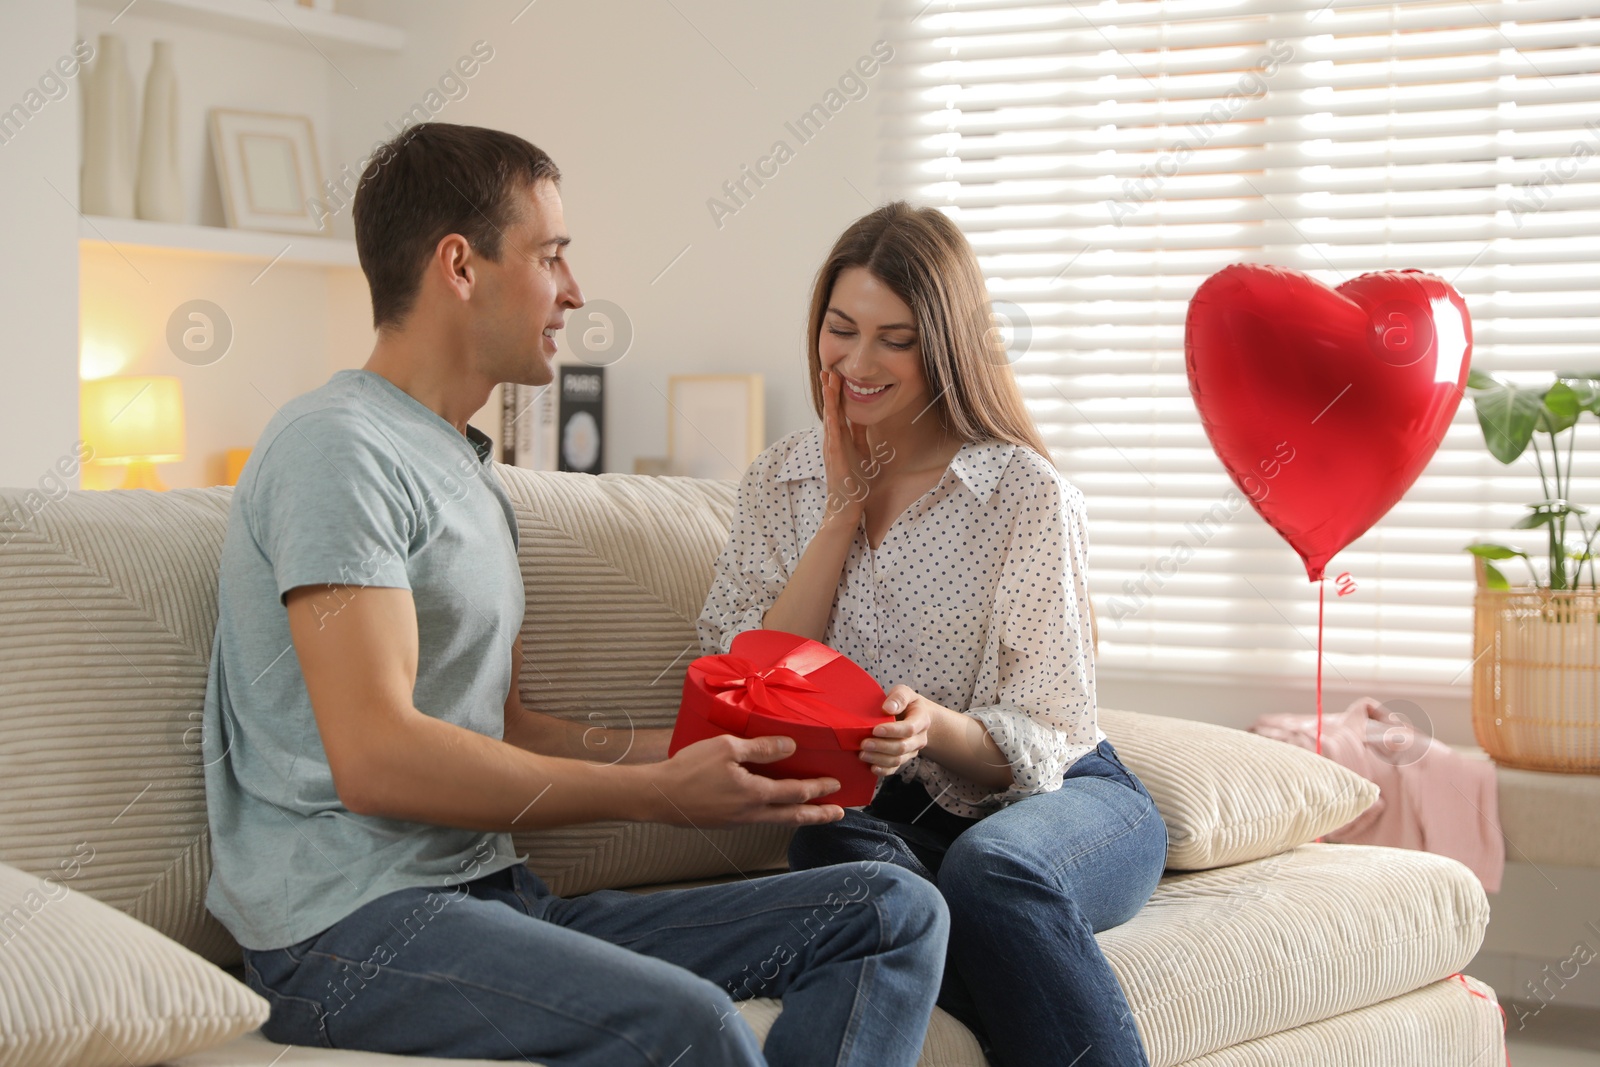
(772, 683)
(709, 777)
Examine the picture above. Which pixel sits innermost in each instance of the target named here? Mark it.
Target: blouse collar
(979, 465)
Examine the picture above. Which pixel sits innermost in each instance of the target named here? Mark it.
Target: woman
(924, 533)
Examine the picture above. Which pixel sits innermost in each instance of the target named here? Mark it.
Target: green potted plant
(1536, 665)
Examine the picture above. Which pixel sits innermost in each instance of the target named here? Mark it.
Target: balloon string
(1322, 584)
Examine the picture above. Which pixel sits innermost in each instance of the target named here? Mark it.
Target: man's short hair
(434, 179)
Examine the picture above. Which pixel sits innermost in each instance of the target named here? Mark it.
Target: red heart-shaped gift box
(773, 682)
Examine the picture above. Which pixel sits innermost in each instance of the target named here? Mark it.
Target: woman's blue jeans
(499, 968)
(1028, 887)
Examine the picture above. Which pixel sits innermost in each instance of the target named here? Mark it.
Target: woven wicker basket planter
(1536, 678)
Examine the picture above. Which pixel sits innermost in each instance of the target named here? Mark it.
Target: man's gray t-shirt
(355, 483)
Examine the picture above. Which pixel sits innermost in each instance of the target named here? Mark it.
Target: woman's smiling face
(869, 338)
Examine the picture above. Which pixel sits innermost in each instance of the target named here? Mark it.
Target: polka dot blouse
(975, 599)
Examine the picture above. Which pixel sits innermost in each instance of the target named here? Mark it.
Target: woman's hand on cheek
(893, 744)
(843, 451)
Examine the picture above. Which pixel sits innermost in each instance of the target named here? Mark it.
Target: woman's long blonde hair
(921, 255)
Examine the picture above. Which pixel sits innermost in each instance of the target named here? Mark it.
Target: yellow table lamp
(137, 421)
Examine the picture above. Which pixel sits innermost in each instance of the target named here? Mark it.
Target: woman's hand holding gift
(951, 739)
(893, 744)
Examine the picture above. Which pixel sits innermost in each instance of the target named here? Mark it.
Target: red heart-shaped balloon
(1325, 404)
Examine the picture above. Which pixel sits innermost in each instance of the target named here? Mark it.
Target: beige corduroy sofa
(1259, 947)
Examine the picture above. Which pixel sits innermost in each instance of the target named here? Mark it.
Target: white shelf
(267, 20)
(217, 241)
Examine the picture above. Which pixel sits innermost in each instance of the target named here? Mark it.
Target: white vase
(160, 189)
(107, 181)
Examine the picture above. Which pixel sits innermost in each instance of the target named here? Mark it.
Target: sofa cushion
(1338, 955)
(1243, 953)
(1228, 955)
(83, 984)
(1451, 1021)
(1455, 1021)
(1228, 796)
(108, 602)
(616, 569)
(948, 1044)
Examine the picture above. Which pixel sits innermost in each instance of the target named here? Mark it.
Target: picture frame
(267, 169)
(716, 424)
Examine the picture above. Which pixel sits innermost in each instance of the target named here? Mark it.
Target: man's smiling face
(527, 294)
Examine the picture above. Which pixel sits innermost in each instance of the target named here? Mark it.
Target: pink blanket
(1431, 797)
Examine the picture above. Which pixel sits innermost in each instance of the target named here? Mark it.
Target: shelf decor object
(580, 419)
(715, 424)
(528, 436)
(233, 462)
(134, 421)
(159, 193)
(107, 177)
(267, 168)
(184, 238)
(313, 27)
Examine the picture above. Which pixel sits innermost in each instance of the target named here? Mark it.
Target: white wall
(39, 300)
(647, 119)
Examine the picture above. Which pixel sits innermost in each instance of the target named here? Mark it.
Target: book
(528, 426)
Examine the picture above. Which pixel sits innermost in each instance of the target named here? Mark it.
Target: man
(367, 751)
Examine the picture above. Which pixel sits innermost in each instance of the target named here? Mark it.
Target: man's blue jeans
(499, 968)
(1028, 888)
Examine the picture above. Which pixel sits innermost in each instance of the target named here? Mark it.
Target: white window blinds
(1105, 158)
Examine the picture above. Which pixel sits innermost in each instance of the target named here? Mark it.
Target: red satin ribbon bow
(780, 689)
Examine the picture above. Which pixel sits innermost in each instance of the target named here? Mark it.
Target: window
(1105, 158)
